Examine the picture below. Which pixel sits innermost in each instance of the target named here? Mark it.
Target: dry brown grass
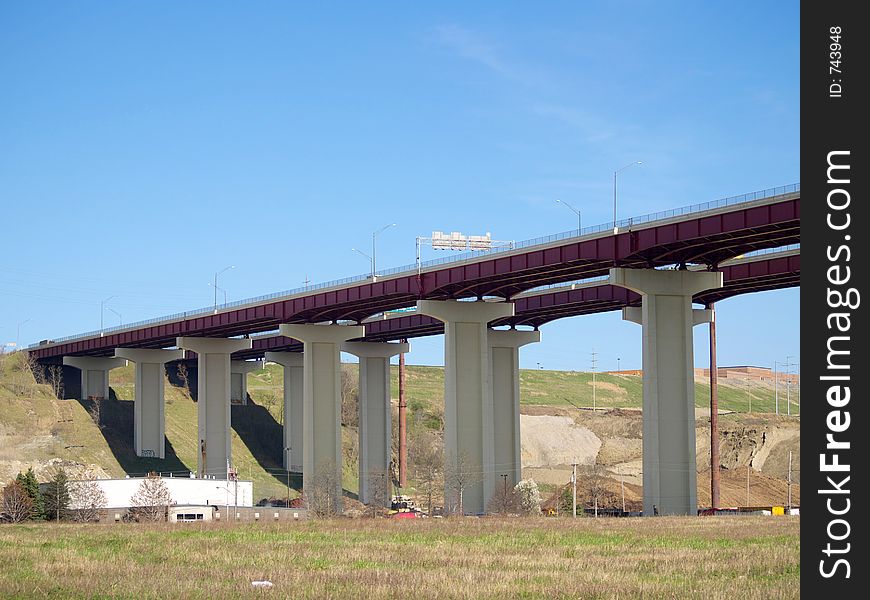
(733, 557)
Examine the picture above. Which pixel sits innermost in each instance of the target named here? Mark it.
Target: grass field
(723, 557)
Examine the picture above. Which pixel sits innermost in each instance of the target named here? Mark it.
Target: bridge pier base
(213, 400)
(504, 351)
(293, 394)
(149, 422)
(667, 318)
(468, 403)
(239, 370)
(95, 374)
(375, 416)
(321, 409)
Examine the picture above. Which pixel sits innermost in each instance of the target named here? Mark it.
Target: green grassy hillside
(425, 387)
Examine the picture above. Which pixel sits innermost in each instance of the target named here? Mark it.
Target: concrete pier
(469, 447)
(375, 413)
(293, 398)
(95, 374)
(667, 318)
(149, 420)
(213, 400)
(239, 370)
(504, 351)
(321, 404)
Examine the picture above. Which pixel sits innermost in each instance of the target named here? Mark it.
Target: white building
(183, 490)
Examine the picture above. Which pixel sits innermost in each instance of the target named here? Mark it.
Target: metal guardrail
(787, 248)
(409, 269)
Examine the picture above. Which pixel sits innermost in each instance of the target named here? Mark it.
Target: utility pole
(788, 366)
(403, 405)
(594, 365)
(789, 482)
(622, 487)
(574, 485)
(748, 469)
(776, 388)
(714, 413)
(202, 451)
(746, 387)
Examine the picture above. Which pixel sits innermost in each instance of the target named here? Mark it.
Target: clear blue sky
(146, 145)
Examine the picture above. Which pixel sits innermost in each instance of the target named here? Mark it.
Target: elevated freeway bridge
(653, 267)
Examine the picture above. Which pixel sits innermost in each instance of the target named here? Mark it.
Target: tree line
(80, 501)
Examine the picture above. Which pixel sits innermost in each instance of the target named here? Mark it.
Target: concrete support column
(375, 413)
(293, 394)
(469, 444)
(239, 370)
(504, 352)
(149, 422)
(213, 400)
(321, 404)
(667, 317)
(95, 374)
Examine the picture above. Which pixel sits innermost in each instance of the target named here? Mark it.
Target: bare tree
(184, 376)
(54, 378)
(426, 456)
(596, 488)
(87, 499)
(460, 474)
(323, 496)
(349, 398)
(379, 492)
(95, 406)
(24, 370)
(17, 505)
(350, 450)
(505, 498)
(151, 500)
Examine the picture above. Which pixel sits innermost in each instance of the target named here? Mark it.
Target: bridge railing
(455, 259)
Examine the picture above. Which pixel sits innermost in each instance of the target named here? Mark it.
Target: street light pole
(218, 288)
(615, 173)
(120, 319)
(18, 333)
(579, 224)
(102, 310)
(374, 235)
(370, 259)
(225, 269)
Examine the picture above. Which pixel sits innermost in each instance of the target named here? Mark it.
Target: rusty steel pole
(714, 414)
(403, 442)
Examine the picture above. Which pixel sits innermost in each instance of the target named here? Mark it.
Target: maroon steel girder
(702, 239)
(542, 308)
